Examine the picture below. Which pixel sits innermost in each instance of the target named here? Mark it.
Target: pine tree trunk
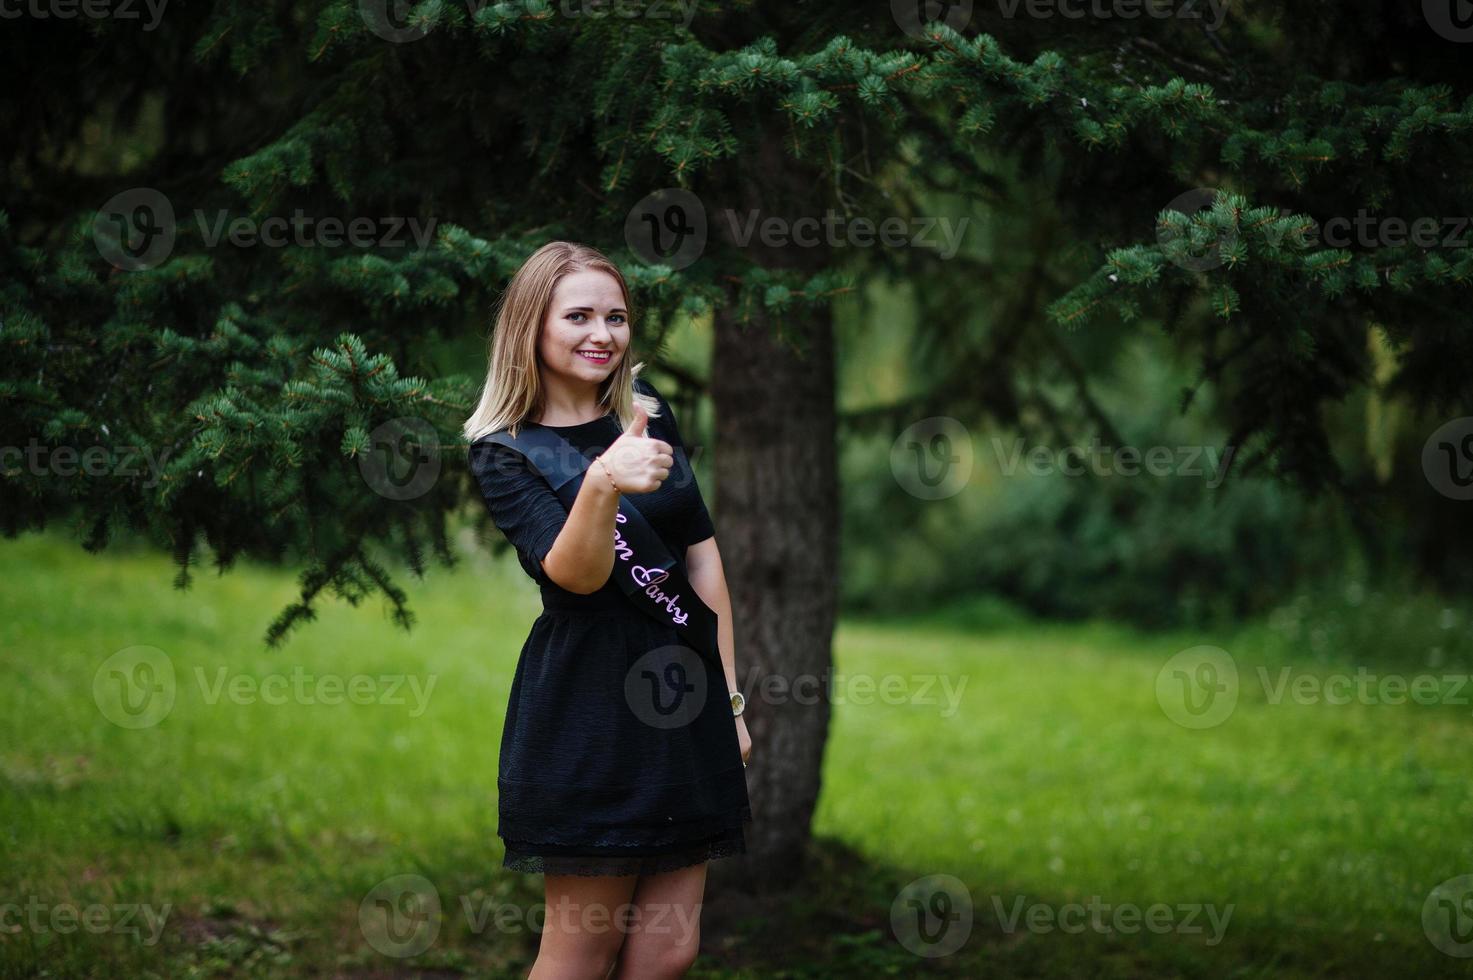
(777, 510)
(777, 524)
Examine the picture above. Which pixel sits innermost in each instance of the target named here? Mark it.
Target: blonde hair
(513, 393)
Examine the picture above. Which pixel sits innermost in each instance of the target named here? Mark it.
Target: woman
(618, 806)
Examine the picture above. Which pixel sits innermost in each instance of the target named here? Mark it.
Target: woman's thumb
(641, 419)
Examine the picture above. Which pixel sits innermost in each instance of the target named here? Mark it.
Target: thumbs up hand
(641, 421)
(637, 462)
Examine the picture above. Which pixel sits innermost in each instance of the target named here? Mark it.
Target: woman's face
(587, 327)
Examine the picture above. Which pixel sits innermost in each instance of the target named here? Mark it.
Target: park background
(1234, 692)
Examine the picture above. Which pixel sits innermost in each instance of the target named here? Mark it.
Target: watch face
(738, 702)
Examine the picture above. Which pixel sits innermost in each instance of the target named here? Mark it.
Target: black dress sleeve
(520, 502)
(698, 525)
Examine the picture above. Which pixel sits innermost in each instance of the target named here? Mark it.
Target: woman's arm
(708, 578)
(582, 557)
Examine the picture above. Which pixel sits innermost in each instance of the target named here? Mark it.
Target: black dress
(619, 753)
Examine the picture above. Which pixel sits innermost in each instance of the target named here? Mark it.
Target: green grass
(1055, 777)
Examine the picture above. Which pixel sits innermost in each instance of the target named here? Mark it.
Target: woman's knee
(581, 932)
(649, 956)
(678, 957)
(589, 955)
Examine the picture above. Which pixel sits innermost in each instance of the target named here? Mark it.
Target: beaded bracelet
(600, 461)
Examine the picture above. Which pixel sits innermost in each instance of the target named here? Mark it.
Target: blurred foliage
(1180, 546)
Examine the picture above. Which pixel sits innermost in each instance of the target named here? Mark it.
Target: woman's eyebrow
(589, 309)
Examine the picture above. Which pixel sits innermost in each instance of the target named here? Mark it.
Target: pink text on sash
(648, 579)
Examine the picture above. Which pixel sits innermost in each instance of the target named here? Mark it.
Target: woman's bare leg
(584, 926)
(666, 934)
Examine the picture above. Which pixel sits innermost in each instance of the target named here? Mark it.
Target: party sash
(645, 570)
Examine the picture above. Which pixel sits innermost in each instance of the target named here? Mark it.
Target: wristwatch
(738, 703)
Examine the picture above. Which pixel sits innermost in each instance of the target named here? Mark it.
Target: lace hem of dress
(688, 830)
(597, 865)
